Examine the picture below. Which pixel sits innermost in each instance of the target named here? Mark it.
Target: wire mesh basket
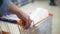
(43, 27)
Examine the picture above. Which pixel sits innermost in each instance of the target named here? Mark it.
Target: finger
(28, 24)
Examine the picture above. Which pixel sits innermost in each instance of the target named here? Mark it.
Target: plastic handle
(20, 22)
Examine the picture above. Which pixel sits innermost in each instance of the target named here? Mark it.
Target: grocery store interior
(46, 12)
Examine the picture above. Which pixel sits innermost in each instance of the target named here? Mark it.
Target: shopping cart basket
(10, 26)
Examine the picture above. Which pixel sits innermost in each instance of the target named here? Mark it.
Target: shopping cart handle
(19, 22)
(8, 20)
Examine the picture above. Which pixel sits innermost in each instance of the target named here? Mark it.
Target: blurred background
(31, 5)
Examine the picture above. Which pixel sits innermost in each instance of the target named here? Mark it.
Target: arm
(15, 10)
(8, 6)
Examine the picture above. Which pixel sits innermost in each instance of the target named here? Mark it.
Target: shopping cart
(42, 26)
(11, 27)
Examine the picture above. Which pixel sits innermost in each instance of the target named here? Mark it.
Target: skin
(20, 14)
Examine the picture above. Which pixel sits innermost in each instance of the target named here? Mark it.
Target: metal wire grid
(21, 30)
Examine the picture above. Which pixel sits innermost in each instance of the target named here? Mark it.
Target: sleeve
(4, 7)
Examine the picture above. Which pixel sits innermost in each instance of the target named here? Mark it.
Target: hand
(27, 21)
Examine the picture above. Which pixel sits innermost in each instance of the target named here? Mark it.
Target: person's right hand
(27, 22)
